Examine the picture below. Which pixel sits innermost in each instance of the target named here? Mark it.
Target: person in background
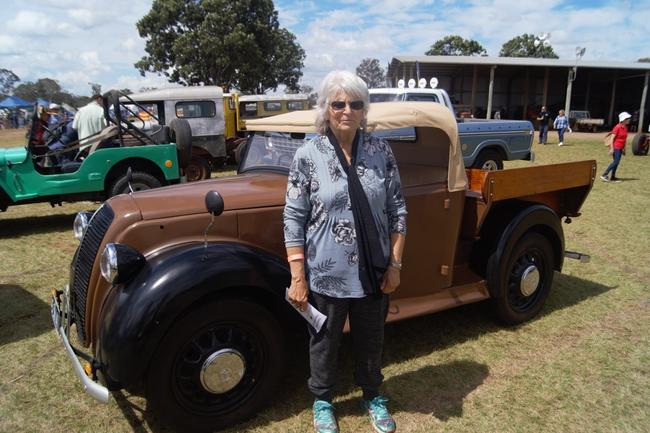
(344, 230)
(55, 115)
(90, 119)
(617, 149)
(561, 123)
(543, 120)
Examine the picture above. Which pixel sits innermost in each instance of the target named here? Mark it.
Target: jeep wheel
(140, 181)
(488, 160)
(640, 144)
(523, 280)
(181, 134)
(217, 366)
(198, 169)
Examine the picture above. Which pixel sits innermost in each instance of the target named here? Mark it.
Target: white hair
(340, 81)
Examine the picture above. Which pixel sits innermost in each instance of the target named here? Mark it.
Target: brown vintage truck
(190, 302)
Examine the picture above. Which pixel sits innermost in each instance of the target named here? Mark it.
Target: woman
(561, 123)
(617, 147)
(344, 229)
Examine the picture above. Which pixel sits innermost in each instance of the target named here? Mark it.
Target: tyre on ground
(521, 282)
(640, 144)
(198, 169)
(217, 366)
(139, 181)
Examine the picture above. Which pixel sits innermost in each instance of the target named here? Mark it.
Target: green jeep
(98, 168)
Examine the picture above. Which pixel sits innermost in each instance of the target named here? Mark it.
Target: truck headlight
(120, 262)
(81, 224)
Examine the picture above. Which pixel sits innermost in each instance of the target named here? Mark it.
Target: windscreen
(272, 150)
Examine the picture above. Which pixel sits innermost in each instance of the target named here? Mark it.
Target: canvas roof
(14, 102)
(384, 116)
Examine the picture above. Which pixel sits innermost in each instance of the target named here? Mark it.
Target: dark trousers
(367, 316)
(543, 131)
(560, 134)
(614, 165)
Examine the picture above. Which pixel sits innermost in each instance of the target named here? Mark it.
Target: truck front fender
(137, 315)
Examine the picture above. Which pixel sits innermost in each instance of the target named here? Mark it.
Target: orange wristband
(294, 257)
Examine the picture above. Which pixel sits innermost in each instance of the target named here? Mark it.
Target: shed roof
(519, 61)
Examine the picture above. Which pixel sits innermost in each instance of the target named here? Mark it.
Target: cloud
(8, 45)
(83, 17)
(135, 83)
(30, 23)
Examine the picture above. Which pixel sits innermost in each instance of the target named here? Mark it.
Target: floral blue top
(318, 212)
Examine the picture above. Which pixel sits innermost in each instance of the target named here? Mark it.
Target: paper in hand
(314, 317)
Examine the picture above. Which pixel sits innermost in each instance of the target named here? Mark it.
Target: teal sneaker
(324, 419)
(379, 415)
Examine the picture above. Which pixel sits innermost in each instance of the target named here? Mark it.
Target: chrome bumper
(584, 258)
(95, 390)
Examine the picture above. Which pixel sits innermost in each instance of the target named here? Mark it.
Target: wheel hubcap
(529, 280)
(490, 165)
(222, 371)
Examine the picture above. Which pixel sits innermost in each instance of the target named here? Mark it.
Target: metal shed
(520, 85)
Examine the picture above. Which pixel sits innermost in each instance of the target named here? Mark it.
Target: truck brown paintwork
(468, 232)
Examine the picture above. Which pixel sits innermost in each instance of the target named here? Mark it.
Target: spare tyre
(181, 134)
(640, 144)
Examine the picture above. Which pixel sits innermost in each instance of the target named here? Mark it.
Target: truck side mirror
(214, 203)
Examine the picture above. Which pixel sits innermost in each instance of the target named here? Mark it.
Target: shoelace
(378, 408)
(323, 413)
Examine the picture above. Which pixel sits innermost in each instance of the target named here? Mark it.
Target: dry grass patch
(12, 137)
(581, 366)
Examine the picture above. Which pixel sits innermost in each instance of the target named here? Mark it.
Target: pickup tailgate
(563, 187)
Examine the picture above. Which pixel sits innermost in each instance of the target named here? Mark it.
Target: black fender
(537, 218)
(137, 315)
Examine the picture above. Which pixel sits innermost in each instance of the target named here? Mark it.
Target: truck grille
(82, 264)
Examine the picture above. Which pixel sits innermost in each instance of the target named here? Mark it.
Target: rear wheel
(522, 280)
(217, 366)
(489, 160)
(140, 181)
(640, 144)
(198, 169)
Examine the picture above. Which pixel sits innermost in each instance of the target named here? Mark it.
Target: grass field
(12, 137)
(583, 365)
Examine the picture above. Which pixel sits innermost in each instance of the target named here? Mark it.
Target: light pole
(573, 73)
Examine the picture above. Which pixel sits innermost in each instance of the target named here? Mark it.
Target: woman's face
(344, 114)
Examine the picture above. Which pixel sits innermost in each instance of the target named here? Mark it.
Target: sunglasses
(340, 105)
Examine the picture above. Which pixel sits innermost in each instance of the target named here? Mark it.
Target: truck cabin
(424, 139)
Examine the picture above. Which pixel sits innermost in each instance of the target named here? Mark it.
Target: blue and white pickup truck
(485, 143)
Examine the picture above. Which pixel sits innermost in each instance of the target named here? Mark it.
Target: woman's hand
(298, 292)
(391, 280)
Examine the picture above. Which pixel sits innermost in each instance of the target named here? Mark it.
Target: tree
(50, 90)
(454, 45)
(372, 73)
(7, 81)
(95, 88)
(524, 46)
(232, 43)
(644, 60)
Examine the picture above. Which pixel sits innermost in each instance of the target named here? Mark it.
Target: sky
(77, 42)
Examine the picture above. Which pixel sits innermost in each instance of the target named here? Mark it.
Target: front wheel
(198, 169)
(217, 366)
(522, 280)
(139, 182)
(489, 160)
